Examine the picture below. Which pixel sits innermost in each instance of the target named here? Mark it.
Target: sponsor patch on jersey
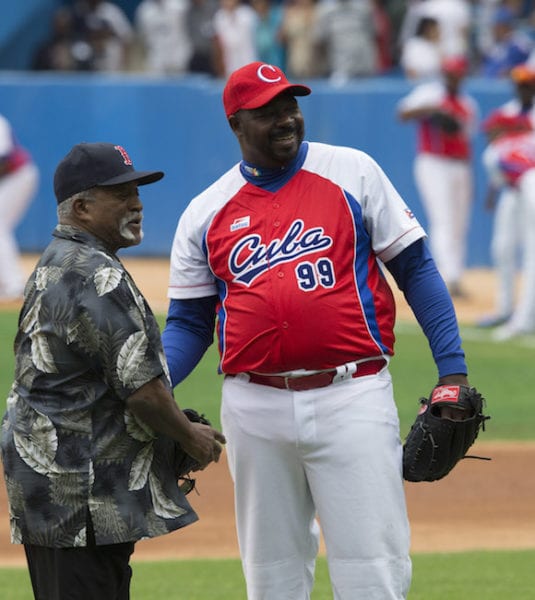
(240, 223)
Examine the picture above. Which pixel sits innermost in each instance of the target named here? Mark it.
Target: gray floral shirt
(86, 341)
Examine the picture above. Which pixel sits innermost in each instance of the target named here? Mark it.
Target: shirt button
(276, 223)
(285, 324)
(280, 274)
(276, 205)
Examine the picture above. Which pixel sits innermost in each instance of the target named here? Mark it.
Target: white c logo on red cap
(261, 75)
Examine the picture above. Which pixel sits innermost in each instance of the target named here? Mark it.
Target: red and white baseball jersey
(434, 140)
(11, 153)
(507, 158)
(296, 269)
(513, 107)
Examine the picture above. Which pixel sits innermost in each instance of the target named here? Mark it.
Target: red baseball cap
(256, 84)
(497, 121)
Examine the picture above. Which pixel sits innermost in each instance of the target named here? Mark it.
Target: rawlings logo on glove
(436, 442)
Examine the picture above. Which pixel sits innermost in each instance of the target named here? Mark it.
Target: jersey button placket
(280, 273)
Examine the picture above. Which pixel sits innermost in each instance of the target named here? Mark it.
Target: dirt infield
(480, 505)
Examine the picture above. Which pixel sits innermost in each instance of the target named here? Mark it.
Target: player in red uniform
(447, 120)
(285, 249)
(19, 179)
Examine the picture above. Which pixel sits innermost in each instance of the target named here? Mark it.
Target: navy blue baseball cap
(89, 165)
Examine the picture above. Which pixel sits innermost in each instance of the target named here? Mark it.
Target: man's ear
(80, 208)
(234, 123)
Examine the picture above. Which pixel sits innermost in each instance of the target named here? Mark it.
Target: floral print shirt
(86, 341)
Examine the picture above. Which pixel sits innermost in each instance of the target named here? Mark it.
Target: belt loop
(344, 372)
(242, 377)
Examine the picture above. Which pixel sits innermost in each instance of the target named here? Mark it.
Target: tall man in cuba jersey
(281, 254)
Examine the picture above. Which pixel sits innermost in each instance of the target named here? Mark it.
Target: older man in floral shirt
(91, 427)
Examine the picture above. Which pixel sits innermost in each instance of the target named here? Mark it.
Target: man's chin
(286, 150)
(132, 238)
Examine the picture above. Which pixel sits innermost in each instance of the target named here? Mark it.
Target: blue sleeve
(416, 275)
(188, 332)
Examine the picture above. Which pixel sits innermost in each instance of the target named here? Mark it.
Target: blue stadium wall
(178, 126)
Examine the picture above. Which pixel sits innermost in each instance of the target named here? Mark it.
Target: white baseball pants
(523, 318)
(445, 187)
(334, 452)
(506, 240)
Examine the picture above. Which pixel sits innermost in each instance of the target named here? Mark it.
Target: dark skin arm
(4, 163)
(491, 198)
(417, 113)
(154, 405)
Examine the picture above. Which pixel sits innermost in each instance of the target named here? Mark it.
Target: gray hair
(65, 208)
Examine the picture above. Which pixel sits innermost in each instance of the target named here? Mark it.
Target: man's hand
(154, 404)
(453, 413)
(203, 443)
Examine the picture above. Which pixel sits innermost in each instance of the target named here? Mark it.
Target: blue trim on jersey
(362, 255)
(416, 274)
(222, 319)
(272, 180)
(188, 332)
(221, 287)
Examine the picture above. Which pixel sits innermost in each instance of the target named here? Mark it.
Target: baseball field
(473, 533)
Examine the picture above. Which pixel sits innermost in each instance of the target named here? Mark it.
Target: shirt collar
(70, 232)
(273, 179)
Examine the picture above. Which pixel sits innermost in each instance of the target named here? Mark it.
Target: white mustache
(123, 225)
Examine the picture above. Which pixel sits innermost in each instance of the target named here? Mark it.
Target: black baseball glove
(435, 444)
(445, 122)
(184, 464)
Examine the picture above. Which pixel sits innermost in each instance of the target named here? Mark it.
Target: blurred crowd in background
(336, 39)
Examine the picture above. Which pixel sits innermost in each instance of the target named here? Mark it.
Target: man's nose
(135, 203)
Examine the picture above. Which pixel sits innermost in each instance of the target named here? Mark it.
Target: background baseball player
(510, 162)
(284, 248)
(19, 178)
(502, 198)
(447, 119)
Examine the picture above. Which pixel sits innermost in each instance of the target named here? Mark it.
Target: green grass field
(505, 375)
(462, 576)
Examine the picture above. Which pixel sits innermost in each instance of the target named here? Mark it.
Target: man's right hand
(154, 404)
(203, 443)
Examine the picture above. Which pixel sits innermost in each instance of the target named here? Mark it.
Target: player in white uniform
(19, 179)
(285, 249)
(510, 162)
(447, 120)
(503, 198)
